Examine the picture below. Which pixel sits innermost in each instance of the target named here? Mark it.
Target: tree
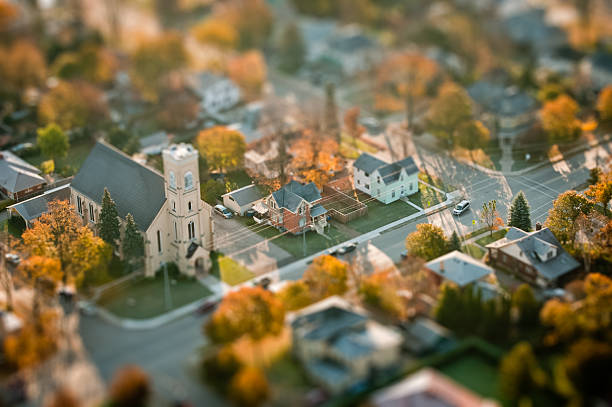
(154, 61)
(130, 387)
(249, 387)
(472, 135)
(562, 217)
(211, 190)
(326, 276)
(595, 174)
(8, 13)
(39, 269)
(216, 32)
(221, 366)
(59, 234)
(379, 290)
(351, 124)
(178, 108)
(223, 148)
(291, 49)
(92, 63)
(528, 308)
(22, 66)
(427, 242)
(73, 105)
(251, 311)
(520, 373)
(53, 142)
(490, 217)
(587, 367)
(295, 295)
(34, 342)
(601, 192)
(520, 213)
(249, 72)
(330, 124)
(108, 221)
(133, 242)
(252, 19)
(454, 242)
(559, 119)
(604, 104)
(63, 398)
(315, 156)
(449, 110)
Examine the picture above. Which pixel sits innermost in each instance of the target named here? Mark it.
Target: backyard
(143, 297)
(380, 214)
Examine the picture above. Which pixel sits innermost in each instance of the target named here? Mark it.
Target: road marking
(535, 187)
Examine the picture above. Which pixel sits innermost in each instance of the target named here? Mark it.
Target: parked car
(332, 252)
(250, 213)
(223, 211)
(404, 254)
(461, 207)
(12, 258)
(23, 148)
(87, 308)
(207, 306)
(347, 248)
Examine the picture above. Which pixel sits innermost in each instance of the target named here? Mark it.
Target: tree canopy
(559, 119)
(450, 109)
(326, 276)
(562, 217)
(427, 242)
(108, 221)
(52, 141)
(223, 148)
(604, 104)
(520, 216)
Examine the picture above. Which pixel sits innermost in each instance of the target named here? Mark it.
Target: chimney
(538, 226)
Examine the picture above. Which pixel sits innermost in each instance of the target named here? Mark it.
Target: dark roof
(501, 100)
(327, 323)
(32, 208)
(317, 210)
(16, 174)
(293, 193)
(602, 60)
(135, 188)
(539, 249)
(529, 28)
(388, 172)
(351, 42)
(246, 195)
(459, 268)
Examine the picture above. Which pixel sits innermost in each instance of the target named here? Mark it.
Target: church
(176, 224)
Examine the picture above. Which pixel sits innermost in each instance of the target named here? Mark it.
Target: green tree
(562, 217)
(427, 242)
(211, 190)
(520, 213)
(448, 112)
(53, 142)
(528, 308)
(223, 148)
(520, 373)
(291, 49)
(133, 242)
(472, 135)
(108, 221)
(454, 243)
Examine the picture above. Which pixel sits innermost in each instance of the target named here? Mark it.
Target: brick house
(297, 208)
(18, 179)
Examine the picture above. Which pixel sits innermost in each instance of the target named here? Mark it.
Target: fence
(337, 203)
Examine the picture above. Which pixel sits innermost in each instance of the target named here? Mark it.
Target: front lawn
(426, 197)
(228, 270)
(144, 298)
(473, 250)
(498, 234)
(380, 214)
(14, 225)
(78, 152)
(315, 242)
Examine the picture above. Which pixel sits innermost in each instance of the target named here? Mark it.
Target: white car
(223, 211)
(12, 258)
(461, 207)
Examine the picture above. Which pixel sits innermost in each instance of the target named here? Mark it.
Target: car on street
(347, 248)
(12, 258)
(223, 211)
(404, 254)
(263, 283)
(461, 207)
(87, 308)
(332, 252)
(207, 306)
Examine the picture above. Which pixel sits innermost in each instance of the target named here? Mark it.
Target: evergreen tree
(108, 223)
(332, 126)
(133, 242)
(519, 213)
(291, 50)
(594, 175)
(454, 243)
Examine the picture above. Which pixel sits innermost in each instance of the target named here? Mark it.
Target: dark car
(250, 213)
(347, 248)
(263, 282)
(206, 307)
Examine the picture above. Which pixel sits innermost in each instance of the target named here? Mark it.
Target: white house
(243, 199)
(217, 93)
(383, 181)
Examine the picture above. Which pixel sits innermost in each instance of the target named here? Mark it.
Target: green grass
(239, 177)
(15, 226)
(426, 197)
(498, 234)
(360, 144)
(144, 298)
(436, 182)
(78, 152)
(473, 250)
(380, 214)
(229, 271)
(474, 371)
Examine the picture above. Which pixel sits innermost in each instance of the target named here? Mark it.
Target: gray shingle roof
(16, 174)
(317, 210)
(246, 195)
(293, 193)
(135, 188)
(368, 163)
(325, 324)
(32, 208)
(388, 172)
(602, 60)
(531, 248)
(459, 268)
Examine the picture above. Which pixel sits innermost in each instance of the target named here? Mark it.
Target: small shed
(243, 199)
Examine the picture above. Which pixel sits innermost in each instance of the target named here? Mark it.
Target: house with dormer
(383, 181)
(537, 256)
(297, 208)
(174, 221)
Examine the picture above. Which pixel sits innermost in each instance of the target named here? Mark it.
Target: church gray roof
(135, 188)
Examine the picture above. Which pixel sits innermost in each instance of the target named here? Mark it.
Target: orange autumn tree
(216, 32)
(602, 191)
(131, 387)
(35, 341)
(379, 290)
(22, 65)
(326, 276)
(8, 13)
(315, 157)
(249, 387)
(249, 72)
(604, 104)
(249, 312)
(559, 119)
(37, 269)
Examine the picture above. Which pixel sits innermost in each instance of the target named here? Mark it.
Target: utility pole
(304, 233)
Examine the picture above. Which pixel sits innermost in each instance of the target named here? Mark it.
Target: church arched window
(172, 179)
(188, 180)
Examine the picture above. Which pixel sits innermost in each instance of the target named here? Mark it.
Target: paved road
(169, 354)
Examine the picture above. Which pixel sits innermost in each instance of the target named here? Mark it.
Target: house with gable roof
(297, 208)
(536, 256)
(174, 221)
(383, 181)
(18, 179)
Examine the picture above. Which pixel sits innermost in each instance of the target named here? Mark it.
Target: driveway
(243, 244)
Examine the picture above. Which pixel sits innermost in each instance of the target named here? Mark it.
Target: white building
(385, 182)
(217, 93)
(243, 199)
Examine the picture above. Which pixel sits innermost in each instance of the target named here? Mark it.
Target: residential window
(378, 179)
(393, 194)
(188, 181)
(91, 212)
(191, 230)
(172, 179)
(378, 192)
(79, 205)
(367, 186)
(358, 182)
(410, 186)
(189, 206)
(159, 242)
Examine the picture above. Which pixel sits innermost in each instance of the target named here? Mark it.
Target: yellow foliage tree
(34, 343)
(249, 387)
(295, 295)
(249, 72)
(604, 104)
(223, 148)
(326, 276)
(559, 119)
(216, 32)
